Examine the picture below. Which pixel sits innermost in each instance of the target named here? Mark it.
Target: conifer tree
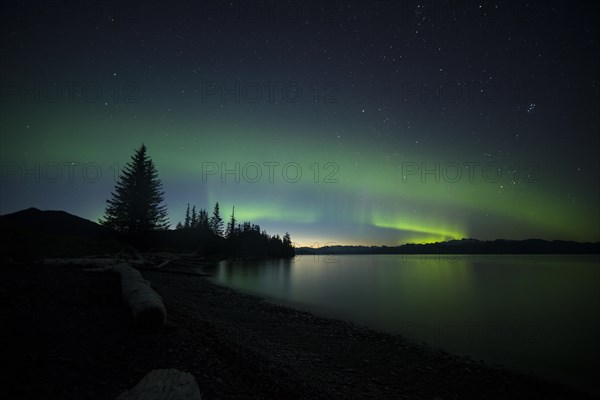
(287, 240)
(186, 223)
(136, 204)
(216, 222)
(230, 231)
(203, 222)
(194, 218)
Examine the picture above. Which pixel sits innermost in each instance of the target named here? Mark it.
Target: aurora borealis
(340, 122)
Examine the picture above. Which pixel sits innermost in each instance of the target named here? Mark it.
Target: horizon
(369, 123)
(311, 244)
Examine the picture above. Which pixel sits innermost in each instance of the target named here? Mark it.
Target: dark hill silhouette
(59, 223)
(30, 235)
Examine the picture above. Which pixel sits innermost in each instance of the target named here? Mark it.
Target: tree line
(137, 213)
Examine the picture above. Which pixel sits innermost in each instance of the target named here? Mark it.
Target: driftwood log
(145, 304)
(164, 384)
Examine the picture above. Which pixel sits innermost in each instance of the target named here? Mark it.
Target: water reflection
(264, 276)
(530, 312)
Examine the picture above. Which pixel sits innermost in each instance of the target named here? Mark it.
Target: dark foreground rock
(69, 336)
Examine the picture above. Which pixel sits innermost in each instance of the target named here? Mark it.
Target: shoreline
(73, 328)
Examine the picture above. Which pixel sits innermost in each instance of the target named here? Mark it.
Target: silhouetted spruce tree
(230, 231)
(194, 218)
(216, 222)
(287, 241)
(135, 206)
(179, 226)
(186, 223)
(203, 219)
(288, 248)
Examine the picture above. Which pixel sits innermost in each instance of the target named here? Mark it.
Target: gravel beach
(69, 336)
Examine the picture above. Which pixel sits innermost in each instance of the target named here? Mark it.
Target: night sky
(340, 122)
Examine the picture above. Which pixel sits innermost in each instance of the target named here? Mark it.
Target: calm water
(533, 313)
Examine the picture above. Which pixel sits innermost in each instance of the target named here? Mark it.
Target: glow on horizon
(419, 231)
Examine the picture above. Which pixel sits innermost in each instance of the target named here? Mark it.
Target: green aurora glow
(364, 141)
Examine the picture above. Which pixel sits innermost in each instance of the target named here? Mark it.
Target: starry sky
(340, 122)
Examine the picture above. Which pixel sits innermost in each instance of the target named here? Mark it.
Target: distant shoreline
(465, 246)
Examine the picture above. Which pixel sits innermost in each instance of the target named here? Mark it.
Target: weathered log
(164, 384)
(145, 304)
